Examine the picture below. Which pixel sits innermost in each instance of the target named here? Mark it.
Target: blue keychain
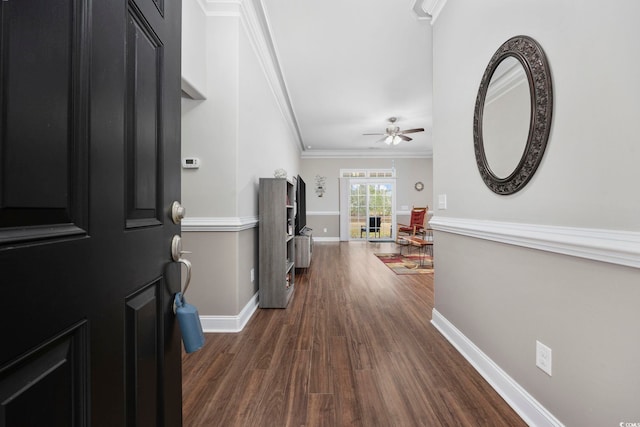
(190, 326)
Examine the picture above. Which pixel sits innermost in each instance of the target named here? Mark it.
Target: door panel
(144, 354)
(46, 386)
(41, 161)
(144, 62)
(89, 166)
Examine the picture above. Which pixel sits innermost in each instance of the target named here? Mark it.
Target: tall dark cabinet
(276, 243)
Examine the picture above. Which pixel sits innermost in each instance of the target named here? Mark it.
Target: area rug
(407, 264)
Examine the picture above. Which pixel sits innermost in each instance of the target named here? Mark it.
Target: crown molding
(256, 26)
(419, 8)
(611, 246)
(428, 9)
(365, 154)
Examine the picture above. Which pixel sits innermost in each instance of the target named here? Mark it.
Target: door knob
(177, 212)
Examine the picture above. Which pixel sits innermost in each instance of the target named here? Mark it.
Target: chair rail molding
(219, 223)
(611, 246)
(323, 213)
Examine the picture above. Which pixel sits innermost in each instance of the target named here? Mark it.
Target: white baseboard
(528, 408)
(228, 324)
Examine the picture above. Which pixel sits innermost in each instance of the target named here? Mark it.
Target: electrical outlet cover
(442, 201)
(543, 357)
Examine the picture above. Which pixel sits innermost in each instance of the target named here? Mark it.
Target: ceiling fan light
(388, 140)
(396, 140)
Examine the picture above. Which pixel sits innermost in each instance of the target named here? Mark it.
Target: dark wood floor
(354, 348)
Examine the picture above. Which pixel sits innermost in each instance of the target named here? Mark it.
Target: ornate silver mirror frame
(529, 53)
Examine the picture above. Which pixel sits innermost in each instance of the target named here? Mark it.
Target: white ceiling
(349, 65)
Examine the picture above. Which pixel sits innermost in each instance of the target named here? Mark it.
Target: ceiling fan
(393, 135)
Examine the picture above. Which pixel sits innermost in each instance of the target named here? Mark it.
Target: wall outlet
(325, 229)
(253, 275)
(543, 357)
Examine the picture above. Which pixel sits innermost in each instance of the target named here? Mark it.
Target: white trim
(228, 324)
(191, 90)
(528, 408)
(365, 154)
(257, 27)
(221, 7)
(435, 8)
(219, 223)
(353, 173)
(253, 20)
(323, 213)
(325, 239)
(419, 8)
(343, 206)
(612, 246)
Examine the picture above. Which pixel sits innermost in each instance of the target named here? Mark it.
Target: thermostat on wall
(190, 163)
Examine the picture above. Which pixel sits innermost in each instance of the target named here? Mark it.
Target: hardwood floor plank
(370, 399)
(297, 390)
(242, 401)
(346, 402)
(320, 380)
(198, 389)
(321, 411)
(355, 347)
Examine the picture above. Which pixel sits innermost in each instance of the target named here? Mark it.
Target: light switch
(442, 201)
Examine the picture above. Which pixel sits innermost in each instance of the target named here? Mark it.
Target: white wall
(194, 66)
(210, 127)
(240, 134)
(264, 140)
(504, 297)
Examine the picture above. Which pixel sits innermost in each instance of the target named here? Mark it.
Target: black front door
(89, 166)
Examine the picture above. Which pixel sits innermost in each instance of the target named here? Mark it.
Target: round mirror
(512, 115)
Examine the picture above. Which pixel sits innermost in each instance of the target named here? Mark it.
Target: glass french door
(371, 209)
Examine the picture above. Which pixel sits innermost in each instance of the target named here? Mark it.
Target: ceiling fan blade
(404, 138)
(413, 130)
(383, 139)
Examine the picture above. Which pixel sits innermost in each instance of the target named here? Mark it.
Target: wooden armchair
(416, 226)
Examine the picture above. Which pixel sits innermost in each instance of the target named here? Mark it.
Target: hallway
(354, 348)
